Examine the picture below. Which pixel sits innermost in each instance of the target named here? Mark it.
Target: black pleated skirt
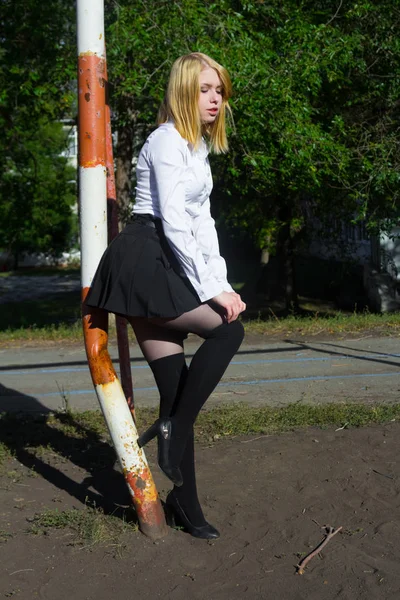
(139, 276)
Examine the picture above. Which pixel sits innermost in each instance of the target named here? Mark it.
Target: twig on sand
(343, 427)
(383, 474)
(330, 532)
(260, 437)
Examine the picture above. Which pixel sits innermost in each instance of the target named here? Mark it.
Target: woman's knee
(236, 330)
(233, 331)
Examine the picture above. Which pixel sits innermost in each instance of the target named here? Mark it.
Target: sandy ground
(269, 496)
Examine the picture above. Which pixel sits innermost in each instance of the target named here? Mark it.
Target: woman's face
(210, 98)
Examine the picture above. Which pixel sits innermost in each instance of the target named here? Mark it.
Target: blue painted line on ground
(60, 370)
(234, 362)
(235, 383)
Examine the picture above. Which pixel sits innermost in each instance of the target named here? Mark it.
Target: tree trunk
(287, 273)
(264, 259)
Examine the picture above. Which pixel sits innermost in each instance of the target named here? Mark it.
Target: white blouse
(174, 183)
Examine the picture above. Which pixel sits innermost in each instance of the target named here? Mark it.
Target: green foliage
(36, 81)
(37, 191)
(315, 115)
(37, 66)
(315, 105)
(316, 89)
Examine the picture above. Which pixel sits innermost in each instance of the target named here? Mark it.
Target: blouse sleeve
(207, 239)
(170, 172)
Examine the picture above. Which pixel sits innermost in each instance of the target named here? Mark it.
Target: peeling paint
(92, 73)
(86, 54)
(91, 116)
(91, 163)
(140, 483)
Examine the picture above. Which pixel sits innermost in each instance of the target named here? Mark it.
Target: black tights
(183, 391)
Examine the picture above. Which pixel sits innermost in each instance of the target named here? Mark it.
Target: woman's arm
(168, 163)
(207, 239)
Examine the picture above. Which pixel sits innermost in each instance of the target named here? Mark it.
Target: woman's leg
(170, 372)
(208, 365)
(184, 393)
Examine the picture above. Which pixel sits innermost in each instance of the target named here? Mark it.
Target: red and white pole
(93, 223)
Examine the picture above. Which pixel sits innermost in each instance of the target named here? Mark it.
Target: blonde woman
(164, 272)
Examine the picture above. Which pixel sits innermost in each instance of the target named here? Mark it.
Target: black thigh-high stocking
(221, 342)
(170, 375)
(159, 338)
(206, 369)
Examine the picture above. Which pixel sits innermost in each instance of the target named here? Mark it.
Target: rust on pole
(93, 225)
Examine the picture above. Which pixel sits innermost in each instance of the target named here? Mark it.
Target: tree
(38, 191)
(316, 101)
(37, 187)
(317, 98)
(315, 104)
(143, 39)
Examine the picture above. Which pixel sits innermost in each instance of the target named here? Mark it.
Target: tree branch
(335, 15)
(330, 532)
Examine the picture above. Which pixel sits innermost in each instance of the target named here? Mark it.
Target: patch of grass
(338, 324)
(58, 319)
(34, 317)
(84, 440)
(5, 454)
(4, 536)
(83, 437)
(89, 526)
(14, 475)
(242, 419)
(41, 450)
(76, 424)
(42, 271)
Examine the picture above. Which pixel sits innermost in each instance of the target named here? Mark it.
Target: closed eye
(205, 89)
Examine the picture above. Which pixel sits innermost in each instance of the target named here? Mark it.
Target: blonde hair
(182, 97)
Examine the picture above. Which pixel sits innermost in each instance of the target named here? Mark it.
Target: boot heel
(162, 429)
(180, 520)
(169, 516)
(148, 435)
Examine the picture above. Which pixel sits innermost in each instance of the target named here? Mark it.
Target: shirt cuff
(210, 290)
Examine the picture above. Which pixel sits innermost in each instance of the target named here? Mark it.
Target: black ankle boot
(162, 428)
(176, 517)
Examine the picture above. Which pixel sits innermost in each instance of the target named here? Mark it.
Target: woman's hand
(232, 304)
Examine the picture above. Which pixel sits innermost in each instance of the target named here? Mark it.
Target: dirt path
(267, 495)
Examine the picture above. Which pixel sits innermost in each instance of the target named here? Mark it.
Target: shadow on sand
(63, 434)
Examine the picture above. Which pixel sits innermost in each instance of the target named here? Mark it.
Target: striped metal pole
(93, 224)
